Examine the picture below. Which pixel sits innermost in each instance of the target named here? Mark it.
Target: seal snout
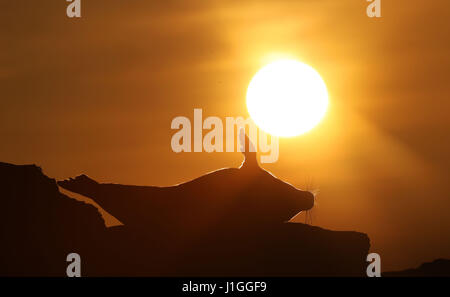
(307, 200)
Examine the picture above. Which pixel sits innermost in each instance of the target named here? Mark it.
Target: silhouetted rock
(40, 226)
(439, 267)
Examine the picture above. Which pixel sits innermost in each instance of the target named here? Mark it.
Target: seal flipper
(127, 203)
(248, 149)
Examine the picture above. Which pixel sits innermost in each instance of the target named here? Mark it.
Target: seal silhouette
(248, 194)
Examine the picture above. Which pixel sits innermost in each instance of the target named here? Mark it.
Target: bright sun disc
(287, 98)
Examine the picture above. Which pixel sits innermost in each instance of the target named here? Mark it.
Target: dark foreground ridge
(231, 222)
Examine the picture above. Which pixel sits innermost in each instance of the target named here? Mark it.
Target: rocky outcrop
(40, 226)
(436, 268)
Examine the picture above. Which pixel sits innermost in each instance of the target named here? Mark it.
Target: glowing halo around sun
(287, 98)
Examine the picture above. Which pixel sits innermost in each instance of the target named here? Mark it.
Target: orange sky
(97, 95)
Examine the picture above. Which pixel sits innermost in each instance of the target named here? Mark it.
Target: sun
(287, 98)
